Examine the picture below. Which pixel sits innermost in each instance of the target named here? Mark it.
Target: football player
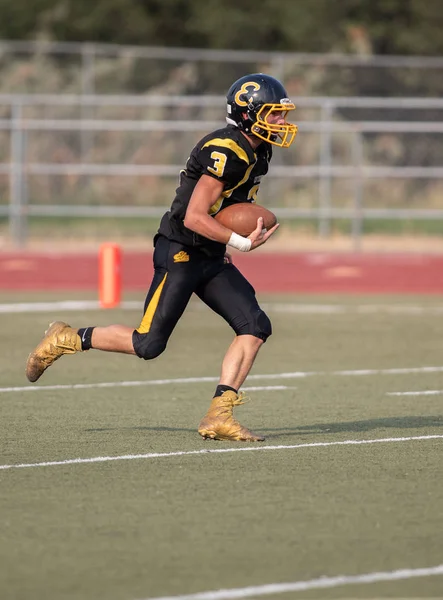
(224, 168)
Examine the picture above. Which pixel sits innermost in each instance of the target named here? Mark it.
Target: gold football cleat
(59, 339)
(219, 422)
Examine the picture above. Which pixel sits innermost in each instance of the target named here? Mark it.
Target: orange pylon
(109, 275)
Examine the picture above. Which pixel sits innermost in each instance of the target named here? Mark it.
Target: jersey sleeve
(225, 160)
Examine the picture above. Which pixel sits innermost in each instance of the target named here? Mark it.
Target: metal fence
(88, 154)
(29, 159)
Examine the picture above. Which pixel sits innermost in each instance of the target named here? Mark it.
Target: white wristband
(241, 243)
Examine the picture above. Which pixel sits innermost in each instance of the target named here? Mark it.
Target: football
(242, 217)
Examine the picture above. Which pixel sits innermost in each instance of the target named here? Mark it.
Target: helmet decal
(244, 90)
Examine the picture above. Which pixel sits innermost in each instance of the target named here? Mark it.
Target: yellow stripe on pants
(146, 323)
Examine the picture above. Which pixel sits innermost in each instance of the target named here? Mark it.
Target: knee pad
(147, 346)
(257, 324)
(264, 327)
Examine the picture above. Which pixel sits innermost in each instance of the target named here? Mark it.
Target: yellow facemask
(281, 135)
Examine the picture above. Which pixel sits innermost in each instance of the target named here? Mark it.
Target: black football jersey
(224, 154)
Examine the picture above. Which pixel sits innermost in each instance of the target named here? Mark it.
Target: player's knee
(150, 350)
(264, 326)
(257, 324)
(146, 346)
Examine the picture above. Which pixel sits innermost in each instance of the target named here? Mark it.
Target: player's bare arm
(197, 218)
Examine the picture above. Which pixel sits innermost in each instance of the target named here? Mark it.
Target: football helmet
(251, 100)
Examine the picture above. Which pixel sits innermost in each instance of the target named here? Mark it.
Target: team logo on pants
(181, 256)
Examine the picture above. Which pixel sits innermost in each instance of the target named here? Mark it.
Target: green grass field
(183, 518)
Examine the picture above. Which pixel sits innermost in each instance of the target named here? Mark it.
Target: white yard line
(205, 452)
(65, 306)
(182, 380)
(304, 586)
(423, 393)
(109, 384)
(279, 307)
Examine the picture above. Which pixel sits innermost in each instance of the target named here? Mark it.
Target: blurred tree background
(404, 27)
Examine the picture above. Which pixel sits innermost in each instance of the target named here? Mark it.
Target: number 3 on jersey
(219, 163)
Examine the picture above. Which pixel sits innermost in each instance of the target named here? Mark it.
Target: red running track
(268, 272)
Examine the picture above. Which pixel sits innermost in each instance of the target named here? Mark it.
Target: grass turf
(176, 525)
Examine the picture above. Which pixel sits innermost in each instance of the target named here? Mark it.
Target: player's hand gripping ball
(242, 217)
